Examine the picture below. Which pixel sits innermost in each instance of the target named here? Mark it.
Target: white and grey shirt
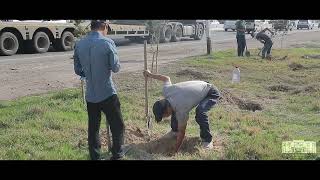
(184, 96)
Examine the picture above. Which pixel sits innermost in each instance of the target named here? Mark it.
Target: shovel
(247, 52)
(82, 79)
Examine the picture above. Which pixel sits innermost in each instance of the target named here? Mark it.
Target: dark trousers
(202, 115)
(111, 108)
(241, 41)
(266, 49)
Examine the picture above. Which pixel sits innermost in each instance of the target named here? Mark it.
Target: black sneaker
(125, 149)
(116, 158)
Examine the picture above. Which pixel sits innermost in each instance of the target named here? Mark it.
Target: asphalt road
(25, 74)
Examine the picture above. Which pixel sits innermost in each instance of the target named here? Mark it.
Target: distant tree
(155, 27)
(80, 30)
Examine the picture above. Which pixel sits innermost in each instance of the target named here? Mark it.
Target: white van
(262, 24)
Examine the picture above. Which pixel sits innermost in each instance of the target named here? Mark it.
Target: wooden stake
(109, 137)
(146, 84)
(157, 56)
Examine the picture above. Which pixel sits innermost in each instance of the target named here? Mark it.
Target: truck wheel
(177, 34)
(226, 30)
(166, 34)
(66, 42)
(40, 42)
(9, 44)
(200, 32)
(233, 30)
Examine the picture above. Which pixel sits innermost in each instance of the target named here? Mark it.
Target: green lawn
(54, 126)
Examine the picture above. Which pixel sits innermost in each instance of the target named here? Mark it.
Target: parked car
(250, 26)
(214, 24)
(293, 24)
(229, 24)
(283, 25)
(305, 24)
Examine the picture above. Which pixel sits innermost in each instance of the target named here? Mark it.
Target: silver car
(229, 25)
(305, 24)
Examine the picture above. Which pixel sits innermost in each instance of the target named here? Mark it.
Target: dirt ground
(147, 147)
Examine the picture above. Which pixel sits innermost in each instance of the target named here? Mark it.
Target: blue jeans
(202, 114)
(266, 49)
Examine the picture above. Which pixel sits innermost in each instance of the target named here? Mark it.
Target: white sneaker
(207, 145)
(170, 134)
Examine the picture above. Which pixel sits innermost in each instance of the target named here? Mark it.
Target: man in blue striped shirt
(96, 57)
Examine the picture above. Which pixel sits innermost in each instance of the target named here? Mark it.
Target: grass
(54, 125)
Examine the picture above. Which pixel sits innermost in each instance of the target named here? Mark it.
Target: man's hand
(180, 136)
(146, 73)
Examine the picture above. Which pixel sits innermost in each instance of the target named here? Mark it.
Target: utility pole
(208, 37)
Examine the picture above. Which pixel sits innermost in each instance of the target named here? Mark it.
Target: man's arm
(180, 135)
(113, 58)
(76, 62)
(182, 119)
(160, 77)
(267, 29)
(261, 40)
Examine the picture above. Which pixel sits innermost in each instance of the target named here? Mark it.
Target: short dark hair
(159, 107)
(97, 24)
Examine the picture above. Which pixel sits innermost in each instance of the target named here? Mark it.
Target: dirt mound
(281, 87)
(166, 146)
(311, 89)
(133, 135)
(191, 72)
(311, 56)
(293, 89)
(296, 66)
(306, 89)
(156, 145)
(153, 143)
(250, 105)
(244, 104)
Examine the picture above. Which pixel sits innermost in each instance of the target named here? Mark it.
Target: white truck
(35, 36)
(171, 31)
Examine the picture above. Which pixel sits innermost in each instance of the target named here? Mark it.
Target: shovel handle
(109, 137)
